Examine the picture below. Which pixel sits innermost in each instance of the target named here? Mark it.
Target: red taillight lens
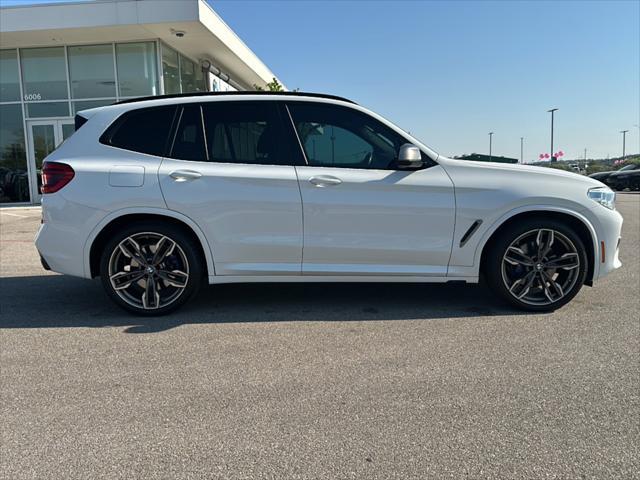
(55, 176)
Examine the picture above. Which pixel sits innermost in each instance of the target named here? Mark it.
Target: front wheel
(151, 268)
(537, 265)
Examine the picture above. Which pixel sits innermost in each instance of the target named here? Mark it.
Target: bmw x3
(158, 196)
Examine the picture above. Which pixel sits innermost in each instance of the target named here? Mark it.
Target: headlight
(604, 196)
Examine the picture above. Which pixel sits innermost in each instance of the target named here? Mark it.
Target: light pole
(553, 159)
(490, 144)
(521, 149)
(624, 138)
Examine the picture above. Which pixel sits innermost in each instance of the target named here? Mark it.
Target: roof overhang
(206, 36)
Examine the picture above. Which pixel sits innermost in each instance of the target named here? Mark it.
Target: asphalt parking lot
(316, 381)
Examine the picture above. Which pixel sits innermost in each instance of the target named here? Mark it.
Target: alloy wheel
(148, 270)
(540, 267)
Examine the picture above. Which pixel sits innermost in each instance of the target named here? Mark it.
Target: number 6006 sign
(33, 96)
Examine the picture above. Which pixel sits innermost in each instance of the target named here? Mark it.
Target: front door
(362, 216)
(44, 137)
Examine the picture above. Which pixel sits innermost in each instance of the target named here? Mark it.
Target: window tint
(144, 130)
(189, 140)
(245, 132)
(336, 136)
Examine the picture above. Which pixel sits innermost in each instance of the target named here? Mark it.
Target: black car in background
(626, 177)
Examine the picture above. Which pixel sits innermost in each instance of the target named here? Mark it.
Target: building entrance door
(44, 137)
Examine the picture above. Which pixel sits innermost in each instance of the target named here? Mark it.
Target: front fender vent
(472, 229)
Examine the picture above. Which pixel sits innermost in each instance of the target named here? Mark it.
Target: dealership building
(57, 59)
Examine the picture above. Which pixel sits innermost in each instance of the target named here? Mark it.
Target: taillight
(55, 176)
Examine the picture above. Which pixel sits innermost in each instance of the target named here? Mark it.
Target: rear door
(230, 171)
(362, 215)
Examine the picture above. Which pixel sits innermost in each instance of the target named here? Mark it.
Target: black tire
(500, 269)
(168, 277)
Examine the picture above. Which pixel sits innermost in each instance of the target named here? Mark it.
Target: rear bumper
(44, 263)
(60, 250)
(61, 239)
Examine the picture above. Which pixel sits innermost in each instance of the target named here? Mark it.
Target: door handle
(325, 181)
(184, 175)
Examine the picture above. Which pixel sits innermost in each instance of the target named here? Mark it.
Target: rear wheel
(151, 268)
(537, 265)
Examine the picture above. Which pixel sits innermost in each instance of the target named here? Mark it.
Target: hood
(524, 170)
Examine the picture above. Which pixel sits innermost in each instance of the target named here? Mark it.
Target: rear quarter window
(79, 121)
(144, 130)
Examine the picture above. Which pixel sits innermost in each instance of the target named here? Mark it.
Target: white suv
(157, 195)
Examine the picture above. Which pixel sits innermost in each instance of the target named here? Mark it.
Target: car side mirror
(409, 157)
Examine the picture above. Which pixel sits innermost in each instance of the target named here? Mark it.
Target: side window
(245, 132)
(189, 141)
(144, 130)
(336, 136)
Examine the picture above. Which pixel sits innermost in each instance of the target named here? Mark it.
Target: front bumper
(608, 226)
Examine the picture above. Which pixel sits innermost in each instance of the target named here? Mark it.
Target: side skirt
(218, 279)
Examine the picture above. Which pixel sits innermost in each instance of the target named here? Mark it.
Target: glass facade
(87, 104)
(47, 109)
(9, 76)
(137, 69)
(170, 70)
(44, 74)
(14, 179)
(42, 88)
(219, 85)
(180, 74)
(199, 80)
(91, 71)
(187, 75)
(43, 144)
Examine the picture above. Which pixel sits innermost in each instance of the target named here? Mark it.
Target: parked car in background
(577, 168)
(157, 195)
(604, 176)
(625, 178)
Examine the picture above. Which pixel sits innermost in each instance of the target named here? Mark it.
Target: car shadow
(58, 301)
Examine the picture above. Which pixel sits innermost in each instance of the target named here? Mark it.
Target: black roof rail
(215, 94)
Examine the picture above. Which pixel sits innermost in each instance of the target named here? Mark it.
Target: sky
(452, 71)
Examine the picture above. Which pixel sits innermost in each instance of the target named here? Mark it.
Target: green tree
(596, 167)
(273, 86)
(559, 166)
